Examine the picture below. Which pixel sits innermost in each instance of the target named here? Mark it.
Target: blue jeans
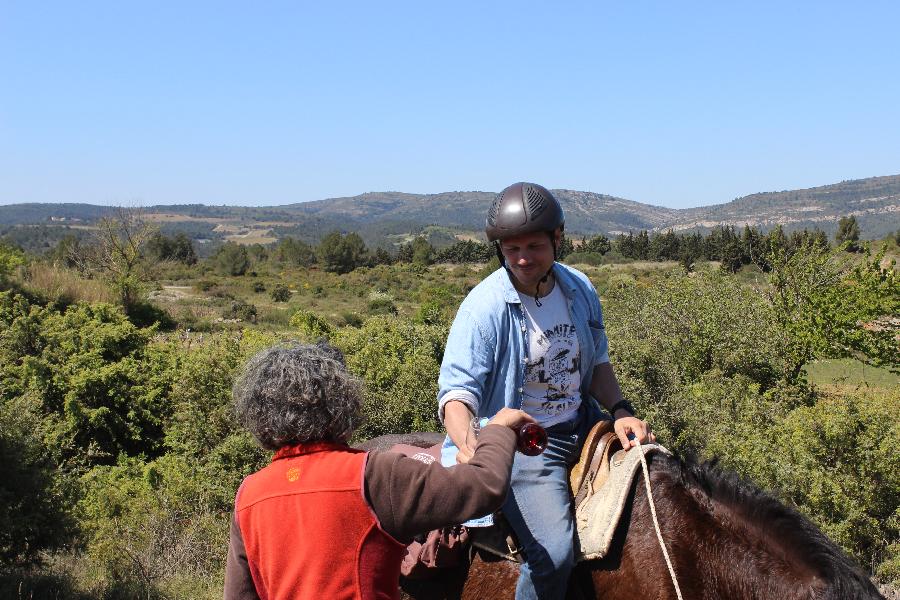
(539, 510)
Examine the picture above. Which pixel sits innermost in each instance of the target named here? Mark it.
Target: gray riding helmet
(522, 208)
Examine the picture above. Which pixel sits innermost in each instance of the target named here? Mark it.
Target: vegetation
(120, 457)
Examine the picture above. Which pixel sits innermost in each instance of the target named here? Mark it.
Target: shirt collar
(511, 294)
(309, 448)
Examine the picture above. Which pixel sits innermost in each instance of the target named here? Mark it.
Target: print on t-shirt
(557, 366)
(553, 367)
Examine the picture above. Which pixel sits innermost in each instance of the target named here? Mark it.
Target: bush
(352, 319)
(259, 287)
(399, 361)
(381, 303)
(585, 258)
(239, 309)
(204, 285)
(311, 324)
(837, 461)
(281, 293)
(95, 373)
(34, 517)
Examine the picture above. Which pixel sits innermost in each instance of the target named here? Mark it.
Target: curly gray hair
(298, 393)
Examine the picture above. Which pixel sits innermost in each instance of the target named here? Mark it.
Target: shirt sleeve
(410, 497)
(467, 363)
(238, 580)
(598, 329)
(601, 343)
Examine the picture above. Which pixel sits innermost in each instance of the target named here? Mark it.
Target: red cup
(532, 439)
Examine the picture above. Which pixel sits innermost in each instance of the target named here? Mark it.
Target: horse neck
(716, 551)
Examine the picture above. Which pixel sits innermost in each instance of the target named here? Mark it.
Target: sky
(676, 104)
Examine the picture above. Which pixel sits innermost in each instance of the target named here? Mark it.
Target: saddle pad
(597, 516)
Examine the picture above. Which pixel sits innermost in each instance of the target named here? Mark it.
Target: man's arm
(605, 388)
(458, 421)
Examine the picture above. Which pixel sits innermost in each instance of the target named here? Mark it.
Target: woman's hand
(512, 418)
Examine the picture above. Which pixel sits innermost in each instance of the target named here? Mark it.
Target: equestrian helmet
(523, 208)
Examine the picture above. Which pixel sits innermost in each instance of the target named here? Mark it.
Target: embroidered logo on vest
(292, 474)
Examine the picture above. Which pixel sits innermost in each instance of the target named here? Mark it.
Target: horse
(726, 539)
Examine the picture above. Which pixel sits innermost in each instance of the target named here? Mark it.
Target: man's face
(529, 257)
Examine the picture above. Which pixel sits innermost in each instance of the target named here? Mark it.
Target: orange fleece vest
(309, 532)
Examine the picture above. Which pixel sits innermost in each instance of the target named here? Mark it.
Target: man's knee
(552, 559)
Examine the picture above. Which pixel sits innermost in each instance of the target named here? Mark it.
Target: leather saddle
(586, 477)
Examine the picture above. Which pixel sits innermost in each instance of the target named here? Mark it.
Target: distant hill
(381, 216)
(875, 202)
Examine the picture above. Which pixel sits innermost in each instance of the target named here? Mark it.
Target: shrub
(837, 461)
(239, 309)
(281, 293)
(352, 319)
(399, 361)
(259, 287)
(585, 258)
(34, 513)
(311, 324)
(97, 375)
(204, 285)
(381, 303)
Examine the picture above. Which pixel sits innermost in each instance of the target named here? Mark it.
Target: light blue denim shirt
(484, 360)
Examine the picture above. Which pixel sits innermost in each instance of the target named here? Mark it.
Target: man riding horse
(530, 336)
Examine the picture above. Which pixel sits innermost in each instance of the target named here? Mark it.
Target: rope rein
(655, 520)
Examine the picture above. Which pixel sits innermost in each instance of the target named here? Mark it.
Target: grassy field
(850, 373)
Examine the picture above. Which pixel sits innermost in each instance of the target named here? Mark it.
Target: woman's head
(298, 393)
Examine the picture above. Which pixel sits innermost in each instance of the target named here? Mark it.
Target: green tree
(341, 253)
(599, 244)
(232, 259)
(834, 307)
(848, 233)
(178, 248)
(10, 258)
(382, 257)
(422, 251)
(98, 379)
(466, 251)
(116, 253)
(293, 252)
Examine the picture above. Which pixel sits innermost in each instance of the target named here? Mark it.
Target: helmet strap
(537, 292)
(500, 256)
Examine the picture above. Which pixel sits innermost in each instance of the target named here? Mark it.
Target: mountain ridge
(875, 201)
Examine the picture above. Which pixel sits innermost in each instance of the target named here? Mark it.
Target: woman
(324, 520)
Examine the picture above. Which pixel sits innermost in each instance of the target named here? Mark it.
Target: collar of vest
(310, 448)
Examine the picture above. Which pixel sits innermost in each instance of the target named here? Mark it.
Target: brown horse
(726, 539)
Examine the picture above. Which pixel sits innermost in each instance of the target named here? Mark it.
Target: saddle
(586, 477)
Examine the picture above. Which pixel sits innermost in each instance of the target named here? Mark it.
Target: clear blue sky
(671, 103)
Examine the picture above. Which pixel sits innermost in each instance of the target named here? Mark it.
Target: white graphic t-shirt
(552, 369)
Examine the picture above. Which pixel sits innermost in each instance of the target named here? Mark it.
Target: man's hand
(507, 417)
(628, 428)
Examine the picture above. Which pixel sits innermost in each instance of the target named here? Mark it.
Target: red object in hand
(532, 439)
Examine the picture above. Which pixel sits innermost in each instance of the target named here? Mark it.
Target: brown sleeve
(238, 581)
(411, 497)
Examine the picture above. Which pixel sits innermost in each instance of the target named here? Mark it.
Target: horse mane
(758, 509)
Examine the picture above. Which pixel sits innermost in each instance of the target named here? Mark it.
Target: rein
(655, 520)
